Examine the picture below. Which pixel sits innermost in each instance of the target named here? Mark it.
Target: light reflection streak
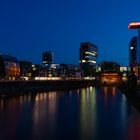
(45, 102)
(88, 113)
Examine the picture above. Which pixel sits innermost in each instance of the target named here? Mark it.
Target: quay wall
(38, 86)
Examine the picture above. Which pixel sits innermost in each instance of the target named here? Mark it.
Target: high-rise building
(136, 69)
(88, 58)
(133, 52)
(48, 58)
(136, 25)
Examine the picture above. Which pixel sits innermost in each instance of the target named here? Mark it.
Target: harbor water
(92, 113)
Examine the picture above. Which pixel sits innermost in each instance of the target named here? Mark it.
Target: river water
(82, 114)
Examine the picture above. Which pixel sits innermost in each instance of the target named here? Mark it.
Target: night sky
(30, 27)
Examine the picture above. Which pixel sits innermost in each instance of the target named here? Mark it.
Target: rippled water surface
(83, 114)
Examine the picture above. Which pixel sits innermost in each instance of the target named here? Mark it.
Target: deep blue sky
(30, 27)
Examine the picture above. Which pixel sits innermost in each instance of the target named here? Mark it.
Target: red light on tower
(134, 25)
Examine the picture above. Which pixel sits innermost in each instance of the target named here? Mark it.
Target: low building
(9, 67)
(109, 66)
(111, 78)
(25, 68)
(110, 73)
(69, 70)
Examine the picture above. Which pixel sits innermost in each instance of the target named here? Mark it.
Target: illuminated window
(91, 53)
(92, 61)
(83, 61)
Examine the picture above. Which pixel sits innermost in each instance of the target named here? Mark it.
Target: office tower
(48, 58)
(88, 59)
(133, 52)
(136, 25)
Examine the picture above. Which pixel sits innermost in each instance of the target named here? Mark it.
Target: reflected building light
(78, 91)
(29, 98)
(114, 91)
(1, 104)
(91, 89)
(88, 89)
(105, 90)
(21, 99)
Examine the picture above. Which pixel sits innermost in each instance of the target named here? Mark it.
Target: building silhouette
(88, 58)
(109, 66)
(136, 26)
(133, 52)
(9, 67)
(48, 58)
(25, 68)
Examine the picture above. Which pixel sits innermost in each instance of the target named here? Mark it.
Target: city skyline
(29, 28)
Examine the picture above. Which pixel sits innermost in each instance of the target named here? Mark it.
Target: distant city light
(47, 78)
(131, 48)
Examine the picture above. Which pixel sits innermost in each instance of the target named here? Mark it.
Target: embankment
(132, 94)
(12, 87)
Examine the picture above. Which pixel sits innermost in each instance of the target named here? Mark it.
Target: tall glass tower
(88, 59)
(133, 52)
(136, 25)
(48, 58)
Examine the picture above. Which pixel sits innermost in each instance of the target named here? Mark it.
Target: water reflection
(87, 113)
(44, 114)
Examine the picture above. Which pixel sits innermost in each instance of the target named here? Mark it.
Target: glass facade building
(88, 59)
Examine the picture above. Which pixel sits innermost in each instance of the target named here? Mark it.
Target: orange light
(134, 25)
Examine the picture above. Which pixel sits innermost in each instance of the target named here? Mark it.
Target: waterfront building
(69, 70)
(133, 52)
(110, 72)
(54, 70)
(136, 25)
(47, 58)
(88, 59)
(25, 68)
(109, 66)
(9, 67)
(37, 70)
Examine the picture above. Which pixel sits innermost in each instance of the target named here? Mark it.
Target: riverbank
(132, 94)
(15, 87)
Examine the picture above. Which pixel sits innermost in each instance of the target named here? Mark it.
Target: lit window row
(91, 53)
(89, 61)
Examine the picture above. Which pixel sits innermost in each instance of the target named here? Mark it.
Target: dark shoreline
(16, 87)
(21, 87)
(132, 94)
